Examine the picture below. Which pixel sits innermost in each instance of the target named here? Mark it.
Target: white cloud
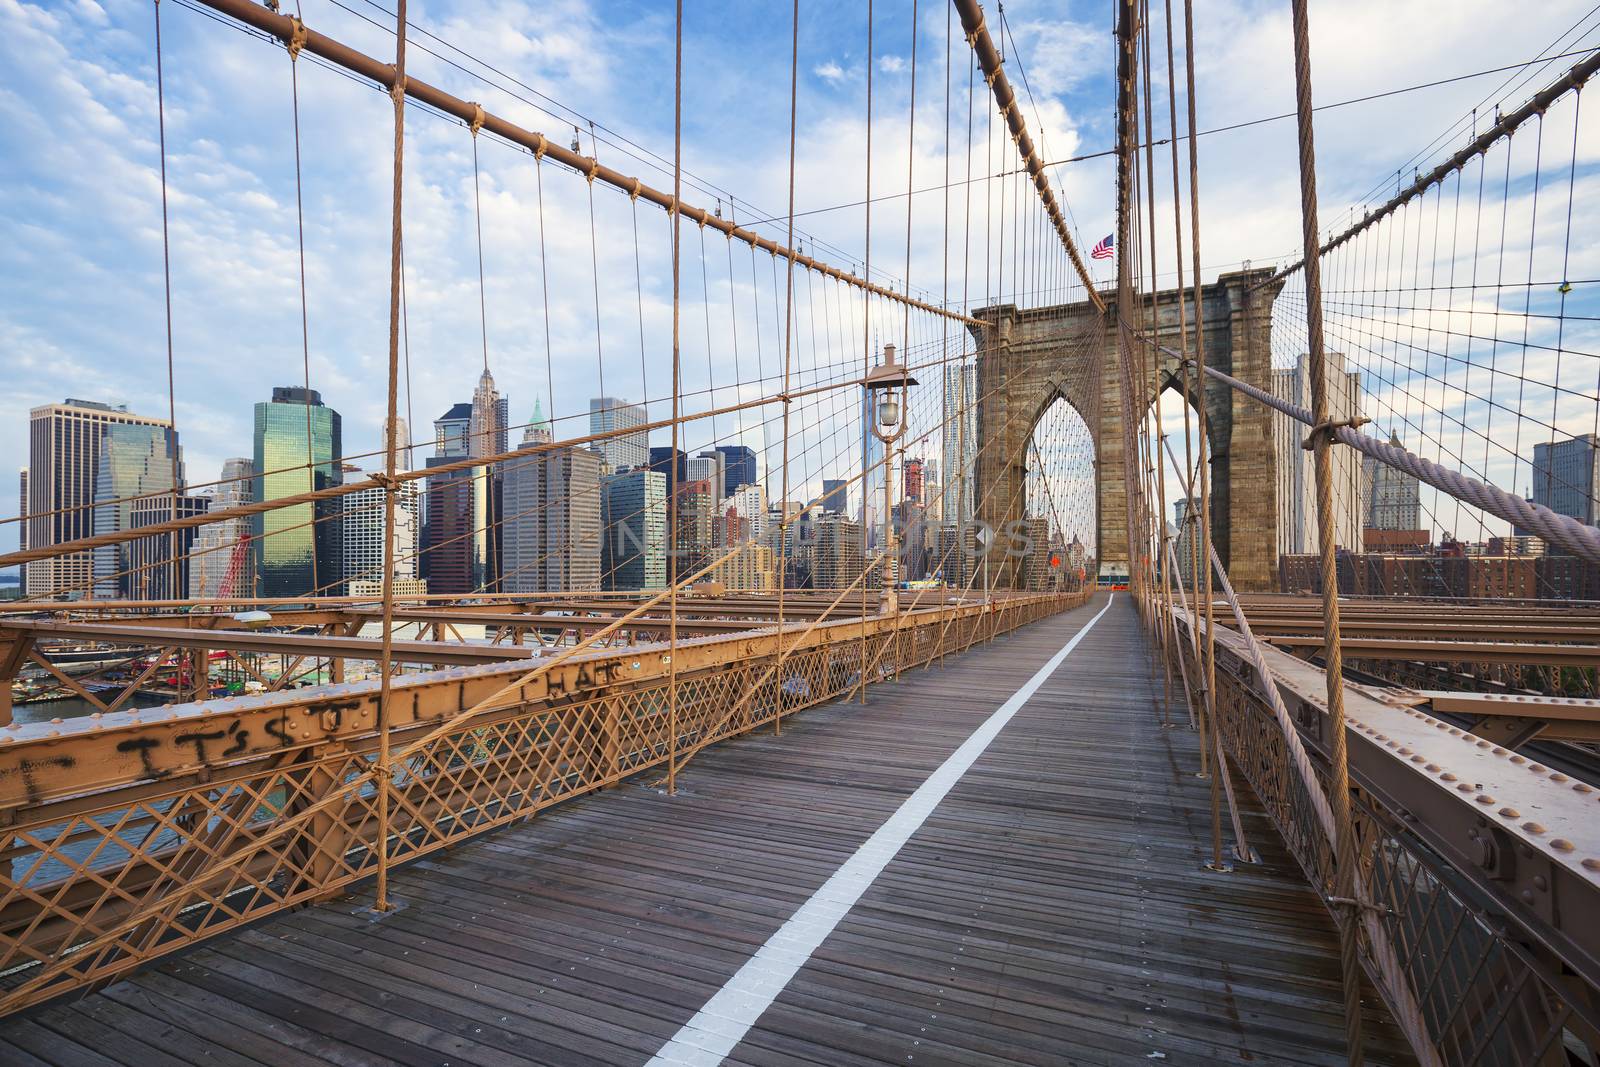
(829, 72)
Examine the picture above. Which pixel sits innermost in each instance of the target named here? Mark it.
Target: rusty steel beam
(441, 652)
(1527, 836)
(1513, 719)
(1005, 97)
(1497, 652)
(41, 762)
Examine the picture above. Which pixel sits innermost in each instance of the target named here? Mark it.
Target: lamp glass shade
(888, 409)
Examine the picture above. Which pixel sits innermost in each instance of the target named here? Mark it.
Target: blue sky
(80, 250)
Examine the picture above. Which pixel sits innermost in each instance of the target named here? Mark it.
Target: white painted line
(707, 1038)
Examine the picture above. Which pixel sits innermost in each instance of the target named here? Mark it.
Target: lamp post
(888, 382)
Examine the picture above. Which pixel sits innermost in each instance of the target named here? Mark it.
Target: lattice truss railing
(98, 883)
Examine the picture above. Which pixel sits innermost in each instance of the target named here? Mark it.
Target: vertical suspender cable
(672, 466)
(1201, 572)
(788, 347)
(386, 654)
(1321, 442)
(166, 280)
(866, 368)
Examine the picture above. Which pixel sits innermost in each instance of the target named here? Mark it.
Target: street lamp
(888, 383)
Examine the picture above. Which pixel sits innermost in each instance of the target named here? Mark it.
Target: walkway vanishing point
(815, 897)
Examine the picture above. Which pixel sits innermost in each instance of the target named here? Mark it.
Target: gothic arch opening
(1060, 498)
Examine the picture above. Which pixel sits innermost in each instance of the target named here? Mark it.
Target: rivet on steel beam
(1484, 798)
(1561, 844)
(1533, 828)
(1447, 776)
(1510, 813)
(1558, 777)
(1591, 864)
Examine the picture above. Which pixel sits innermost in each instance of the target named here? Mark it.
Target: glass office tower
(297, 549)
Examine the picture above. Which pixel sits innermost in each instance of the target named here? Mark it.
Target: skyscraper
(297, 549)
(836, 552)
(487, 418)
(739, 467)
(960, 439)
(365, 516)
(451, 432)
(691, 519)
(552, 517)
(1566, 477)
(136, 460)
(64, 445)
(152, 574)
(1296, 481)
(835, 495)
(709, 467)
(633, 513)
(1393, 497)
(914, 480)
(608, 415)
(447, 525)
(214, 553)
(486, 436)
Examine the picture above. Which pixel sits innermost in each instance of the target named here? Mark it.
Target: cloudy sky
(81, 252)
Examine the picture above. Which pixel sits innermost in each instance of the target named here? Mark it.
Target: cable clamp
(297, 39)
(1325, 429)
(543, 147)
(477, 118)
(397, 89)
(1359, 905)
(386, 482)
(594, 168)
(634, 193)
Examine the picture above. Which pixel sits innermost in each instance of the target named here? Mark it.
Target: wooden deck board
(1052, 909)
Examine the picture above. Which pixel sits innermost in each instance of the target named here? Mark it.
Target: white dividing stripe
(716, 1028)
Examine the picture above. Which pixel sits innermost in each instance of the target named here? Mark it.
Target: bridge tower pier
(1028, 359)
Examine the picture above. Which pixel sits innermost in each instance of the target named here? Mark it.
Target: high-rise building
(750, 503)
(708, 467)
(739, 467)
(487, 419)
(447, 529)
(623, 449)
(451, 432)
(1184, 543)
(1393, 497)
(633, 514)
(1296, 480)
(297, 549)
(364, 521)
(538, 431)
(661, 462)
(835, 495)
(486, 436)
(836, 550)
(218, 565)
(64, 446)
(152, 574)
(749, 568)
(932, 491)
(914, 472)
(22, 527)
(960, 439)
(691, 517)
(552, 517)
(1566, 477)
(136, 460)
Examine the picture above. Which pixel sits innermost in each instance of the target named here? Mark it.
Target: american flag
(1103, 249)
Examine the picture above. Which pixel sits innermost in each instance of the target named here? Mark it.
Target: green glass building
(297, 549)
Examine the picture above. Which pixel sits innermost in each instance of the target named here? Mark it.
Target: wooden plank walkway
(1052, 909)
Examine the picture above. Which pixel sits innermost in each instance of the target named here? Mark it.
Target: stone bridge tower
(1028, 359)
